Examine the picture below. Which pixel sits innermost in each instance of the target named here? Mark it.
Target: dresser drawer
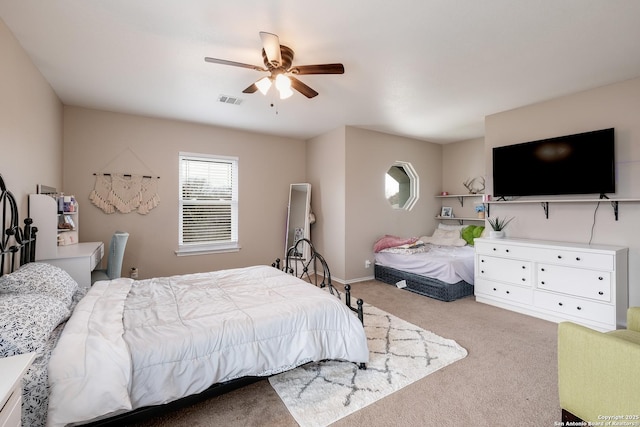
(502, 249)
(591, 284)
(11, 412)
(594, 261)
(504, 270)
(504, 291)
(588, 310)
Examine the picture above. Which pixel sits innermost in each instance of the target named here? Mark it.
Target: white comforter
(448, 264)
(132, 343)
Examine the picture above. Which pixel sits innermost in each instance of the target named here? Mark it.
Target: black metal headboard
(17, 244)
(308, 270)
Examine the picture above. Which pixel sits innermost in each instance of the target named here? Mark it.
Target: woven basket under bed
(422, 285)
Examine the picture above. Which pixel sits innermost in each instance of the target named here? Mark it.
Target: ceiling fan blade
(302, 88)
(234, 64)
(271, 46)
(318, 69)
(251, 89)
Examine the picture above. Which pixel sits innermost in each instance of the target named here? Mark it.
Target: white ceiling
(427, 69)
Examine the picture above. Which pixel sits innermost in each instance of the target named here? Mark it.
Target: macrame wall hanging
(125, 193)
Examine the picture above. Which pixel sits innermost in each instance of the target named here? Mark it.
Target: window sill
(187, 251)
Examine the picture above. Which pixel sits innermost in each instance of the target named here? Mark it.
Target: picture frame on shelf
(446, 212)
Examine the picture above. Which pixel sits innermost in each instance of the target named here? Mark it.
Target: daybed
(438, 266)
(136, 344)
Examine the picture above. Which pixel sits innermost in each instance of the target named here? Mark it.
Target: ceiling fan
(278, 60)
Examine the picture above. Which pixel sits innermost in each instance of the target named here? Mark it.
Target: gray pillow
(40, 278)
(27, 320)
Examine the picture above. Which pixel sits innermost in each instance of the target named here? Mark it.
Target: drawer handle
(481, 260)
(482, 271)
(495, 249)
(524, 279)
(600, 278)
(508, 292)
(542, 269)
(494, 289)
(577, 258)
(600, 293)
(507, 250)
(542, 283)
(559, 256)
(560, 304)
(579, 308)
(524, 266)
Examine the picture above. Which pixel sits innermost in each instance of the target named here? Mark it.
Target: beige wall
(30, 124)
(368, 214)
(617, 106)
(346, 168)
(326, 172)
(462, 161)
(98, 141)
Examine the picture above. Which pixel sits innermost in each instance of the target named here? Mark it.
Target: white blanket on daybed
(132, 343)
(448, 264)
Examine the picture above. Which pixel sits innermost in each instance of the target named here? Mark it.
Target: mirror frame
(299, 205)
(414, 184)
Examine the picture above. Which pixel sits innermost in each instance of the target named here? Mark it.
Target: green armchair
(599, 373)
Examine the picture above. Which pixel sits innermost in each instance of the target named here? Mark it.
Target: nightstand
(13, 369)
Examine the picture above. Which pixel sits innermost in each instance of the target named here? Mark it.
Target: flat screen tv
(574, 164)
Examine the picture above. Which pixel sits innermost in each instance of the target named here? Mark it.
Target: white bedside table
(12, 369)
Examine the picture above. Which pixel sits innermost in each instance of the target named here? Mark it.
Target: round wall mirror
(401, 186)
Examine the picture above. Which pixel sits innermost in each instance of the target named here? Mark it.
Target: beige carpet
(509, 377)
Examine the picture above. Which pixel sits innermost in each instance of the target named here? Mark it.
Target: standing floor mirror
(298, 217)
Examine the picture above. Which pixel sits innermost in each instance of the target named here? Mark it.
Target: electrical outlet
(367, 263)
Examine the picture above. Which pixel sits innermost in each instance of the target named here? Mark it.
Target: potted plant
(498, 225)
(480, 211)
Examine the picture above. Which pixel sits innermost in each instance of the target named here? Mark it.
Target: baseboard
(350, 281)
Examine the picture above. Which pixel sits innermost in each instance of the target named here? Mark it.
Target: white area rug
(318, 394)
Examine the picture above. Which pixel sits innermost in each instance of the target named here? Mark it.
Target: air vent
(225, 99)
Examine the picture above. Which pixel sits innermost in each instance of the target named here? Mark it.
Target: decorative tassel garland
(126, 193)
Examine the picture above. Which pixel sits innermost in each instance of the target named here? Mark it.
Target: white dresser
(12, 370)
(556, 281)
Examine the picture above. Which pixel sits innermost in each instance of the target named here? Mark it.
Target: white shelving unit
(460, 198)
(43, 209)
(77, 259)
(546, 202)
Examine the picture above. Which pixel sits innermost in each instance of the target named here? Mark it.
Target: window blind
(208, 202)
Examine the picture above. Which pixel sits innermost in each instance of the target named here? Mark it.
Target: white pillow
(444, 238)
(442, 226)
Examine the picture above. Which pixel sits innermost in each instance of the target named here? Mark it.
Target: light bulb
(285, 93)
(264, 84)
(282, 82)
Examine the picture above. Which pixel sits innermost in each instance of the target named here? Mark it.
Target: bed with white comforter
(131, 344)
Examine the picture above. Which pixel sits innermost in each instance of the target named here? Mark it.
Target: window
(401, 186)
(208, 203)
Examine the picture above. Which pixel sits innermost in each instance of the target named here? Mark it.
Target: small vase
(481, 215)
(496, 234)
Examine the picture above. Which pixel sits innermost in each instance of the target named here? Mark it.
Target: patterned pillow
(40, 278)
(27, 320)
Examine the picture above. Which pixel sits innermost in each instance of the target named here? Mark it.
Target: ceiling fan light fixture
(285, 93)
(283, 82)
(264, 84)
